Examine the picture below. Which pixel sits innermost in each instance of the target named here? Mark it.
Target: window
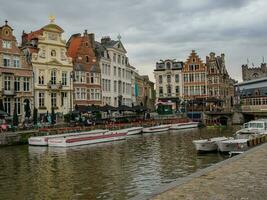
(77, 93)
(17, 105)
(7, 105)
(6, 44)
(64, 78)
(97, 94)
(92, 78)
(54, 99)
(114, 71)
(168, 78)
(53, 77)
(63, 97)
(41, 99)
(202, 77)
(87, 59)
(160, 91)
(168, 65)
(53, 53)
(186, 78)
(123, 87)
(177, 90)
(185, 90)
(197, 90)
(197, 77)
(196, 67)
(191, 90)
(191, 77)
(26, 84)
(42, 55)
(177, 78)
(114, 57)
(119, 59)
(160, 79)
(115, 86)
(17, 84)
(203, 89)
(169, 90)
(41, 77)
(122, 60)
(83, 93)
(6, 61)
(92, 94)
(119, 72)
(7, 83)
(191, 67)
(123, 73)
(16, 62)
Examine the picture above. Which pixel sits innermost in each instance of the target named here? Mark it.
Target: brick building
(15, 76)
(87, 74)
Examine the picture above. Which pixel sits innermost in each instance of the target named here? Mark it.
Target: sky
(152, 30)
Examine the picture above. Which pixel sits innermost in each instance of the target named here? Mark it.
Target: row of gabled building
(194, 85)
(47, 72)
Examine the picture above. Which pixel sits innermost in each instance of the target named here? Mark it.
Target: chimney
(85, 32)
(92, 39)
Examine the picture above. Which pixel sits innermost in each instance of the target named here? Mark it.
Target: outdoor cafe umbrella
(3, 113)
(107, 108)
(125, 108)
(139, 108)
(93, 108)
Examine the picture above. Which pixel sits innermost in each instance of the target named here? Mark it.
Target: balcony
(8, 92)
(57, 86)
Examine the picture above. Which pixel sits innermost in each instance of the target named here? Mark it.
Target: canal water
(118, 170)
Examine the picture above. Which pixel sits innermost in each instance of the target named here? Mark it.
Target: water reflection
(118, 170)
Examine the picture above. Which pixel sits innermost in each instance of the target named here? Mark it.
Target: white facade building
(169, 81)
(116, 76)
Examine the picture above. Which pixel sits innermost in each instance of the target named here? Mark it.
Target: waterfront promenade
(240, 177)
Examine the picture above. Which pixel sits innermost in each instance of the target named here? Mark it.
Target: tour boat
(184, 125)
(155, 129)
(251, 129)
(232, 145)
(70, 141)
(43, 140)
(133, 130)
(206, 145)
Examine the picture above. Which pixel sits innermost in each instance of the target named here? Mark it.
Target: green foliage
(15, 117)
(35, 116)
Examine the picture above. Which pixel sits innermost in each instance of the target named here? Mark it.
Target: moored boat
(87, 139)
(133, 130)
(207, 145)
(155, 129)
(184, 125)
(43, 140)
(233, 145)
(252, 129)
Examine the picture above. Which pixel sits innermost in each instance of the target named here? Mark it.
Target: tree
(53, 116)
(27, 109)
(35, 116)
(15, 117)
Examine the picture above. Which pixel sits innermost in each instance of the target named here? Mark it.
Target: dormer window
(53, 53)
(168, 65)
(6, 44)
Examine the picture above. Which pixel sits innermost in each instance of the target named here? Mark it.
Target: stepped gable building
(254, 72)
(116, 73)
(220, 86)
(169, 83)
(46, 50)
(194, 77)
(15, 75)
(87, 74)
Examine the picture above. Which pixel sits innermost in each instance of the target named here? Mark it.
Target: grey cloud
(156, 29)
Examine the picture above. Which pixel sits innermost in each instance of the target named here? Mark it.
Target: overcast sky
(156, 29)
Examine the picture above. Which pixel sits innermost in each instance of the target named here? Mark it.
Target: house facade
(16, 92)
(52, 69)
(169, 83)
(87, 74)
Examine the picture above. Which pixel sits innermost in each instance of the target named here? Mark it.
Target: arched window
(53, 53)
(255, 75)
(87, 58)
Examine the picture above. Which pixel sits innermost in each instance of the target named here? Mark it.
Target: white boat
(252, 129)
(155, 129)
(133, 130)
(43, 140)
(207, 145)
(232, 145)
(184, 125)
(71, 141)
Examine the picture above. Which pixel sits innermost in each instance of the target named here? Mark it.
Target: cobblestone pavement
(242, 177)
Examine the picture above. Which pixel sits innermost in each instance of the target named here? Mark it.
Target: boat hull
(156, 129)
(43, 140)
(227, 146)
(86, 140)
(183, 126)
(134, 131)
(206, 146)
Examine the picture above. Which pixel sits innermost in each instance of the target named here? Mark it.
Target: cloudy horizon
(152, 30)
